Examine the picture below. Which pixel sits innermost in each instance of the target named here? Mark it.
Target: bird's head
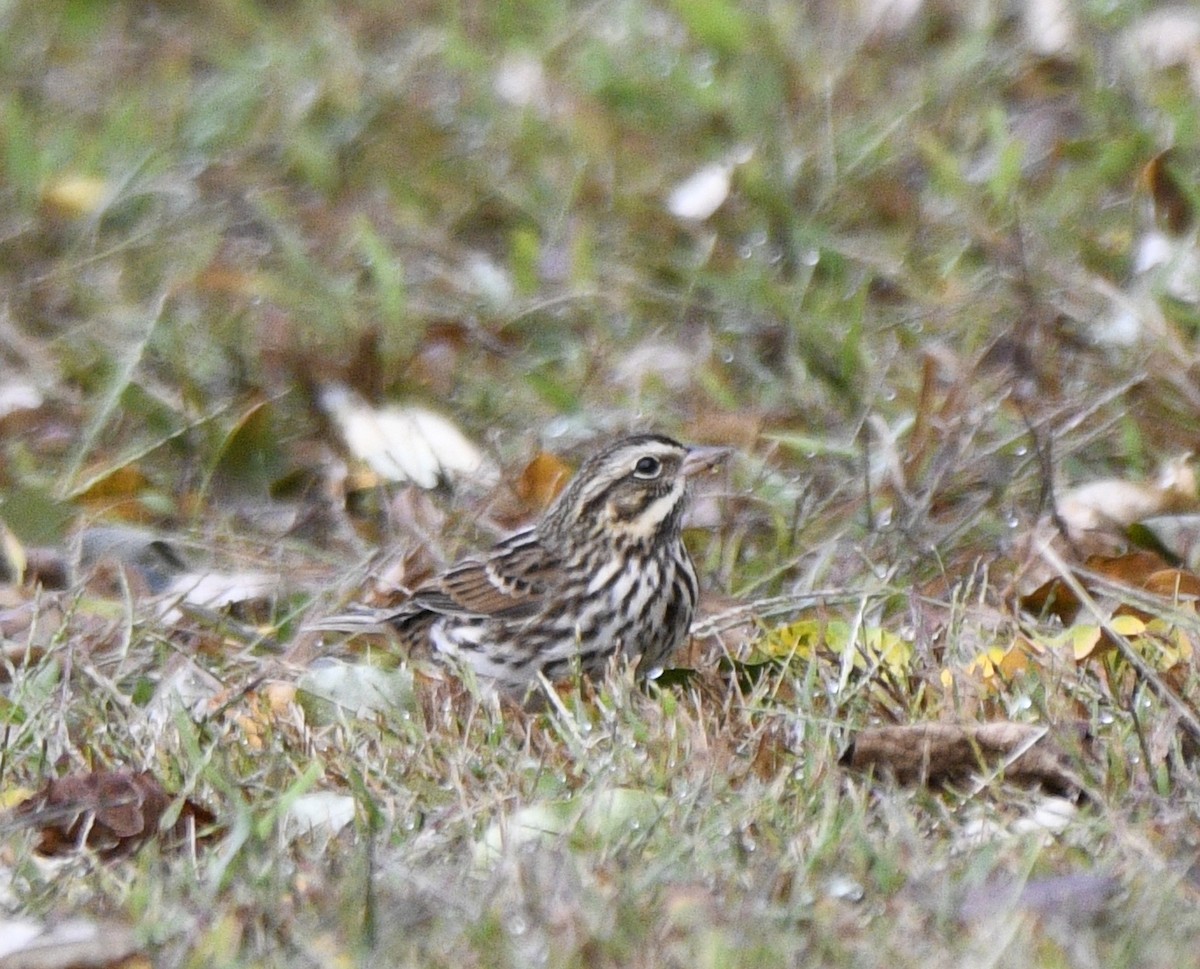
(633, 490)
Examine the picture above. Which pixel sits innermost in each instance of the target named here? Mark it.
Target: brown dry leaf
(116, 491)
(435, 361)
(772, 754)
(542, 480)
(1172, 584)
(256, 714)
(47, 567)
(1172, 204)
(1137, 570)
(111, 812)
(939, 753)
(280, 697)
(219, 278)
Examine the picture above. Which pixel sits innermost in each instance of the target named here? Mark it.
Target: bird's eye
(647, 467)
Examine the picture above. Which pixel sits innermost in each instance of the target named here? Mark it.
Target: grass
(917, 283)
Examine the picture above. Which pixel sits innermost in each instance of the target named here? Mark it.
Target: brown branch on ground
(940, 753)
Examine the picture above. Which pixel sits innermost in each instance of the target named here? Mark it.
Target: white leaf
(1114, 504)
(520, 80)
(606, 815)
(1050, 27)
(214, 590)
(1167, 38)
(489, 281)
(66, 942)
(356, 689)
(405, 443)
(188, 689)
(16, 396)
(702, 194)
(319, 813)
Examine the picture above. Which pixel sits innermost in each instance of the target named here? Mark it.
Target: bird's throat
(643, 523)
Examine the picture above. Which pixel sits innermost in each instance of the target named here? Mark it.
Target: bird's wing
(512, 581)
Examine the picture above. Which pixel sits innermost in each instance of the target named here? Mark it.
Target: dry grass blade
(769, 606)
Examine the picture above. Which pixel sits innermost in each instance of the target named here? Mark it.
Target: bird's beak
(701, 459)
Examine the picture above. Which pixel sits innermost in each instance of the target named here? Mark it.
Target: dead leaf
(1166, 39)
(72, 943)
(217, 590)
(113, 813)
(998, 665)
(701, 194)
(772, 754)
(1177, 536)
(47, 567)
(405, 443)
(1173, 207)
(29, 628)
(1173, 584)
(1138, 570)
(1051, 28)
(940, 753)
(1113, 504)
(13, 560)
(435, 361)
(542, 480)
(116, 491)
(75, 196)
(869, 647)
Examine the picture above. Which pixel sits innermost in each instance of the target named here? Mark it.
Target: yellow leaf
(75, 196)
(1164, 644)
(873, 647)
(1014, 661)
(998, 664)
(1083, 641)
(13, 796)
(1128, 625)
(12, 557)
